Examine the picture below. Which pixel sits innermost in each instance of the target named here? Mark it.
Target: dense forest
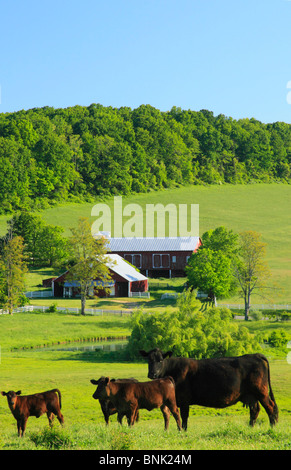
(49, 155)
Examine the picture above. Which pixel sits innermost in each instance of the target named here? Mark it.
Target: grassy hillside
(261, 207)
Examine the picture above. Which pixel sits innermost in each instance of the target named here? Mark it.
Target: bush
(256, 315)
(278, 339)
(53, 308)
(285, 316)
(189, 332)
(278, 315)
(121, 441)
(51, 439)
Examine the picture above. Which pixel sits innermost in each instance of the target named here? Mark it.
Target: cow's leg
(23, 422)
(271, 409)
(254, 412)
(136, 415)
(120, 416)
(175, 412)
(184, 410)
(53, 411)
(50, 417)
(104, 408)
(60, 417)
(133, 413)
(166, 413)
(19, 427)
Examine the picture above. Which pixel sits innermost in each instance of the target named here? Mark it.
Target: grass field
(264, 208)
(33, 370)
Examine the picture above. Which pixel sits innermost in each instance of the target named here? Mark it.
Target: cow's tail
(271, 394)
(59, 394)
(171, 379)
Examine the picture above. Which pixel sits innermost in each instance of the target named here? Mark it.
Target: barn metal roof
(92, 284)
(125, 270)
(117, 264)
(153, 244)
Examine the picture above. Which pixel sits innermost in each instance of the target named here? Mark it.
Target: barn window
(137, 261)
(161, 261)
(133, 259)
(157, 261)
(166, 261)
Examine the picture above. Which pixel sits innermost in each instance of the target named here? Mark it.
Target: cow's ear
(143, 353)
(18, 393)
(168, 353)
(94, 382)
(4, 394)
(107, 380)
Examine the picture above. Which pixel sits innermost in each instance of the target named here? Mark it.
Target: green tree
(27, 226)
(44, 244)
(89, 256)
(53, 249)
(210, 268)
(12, 274)
(251, 269)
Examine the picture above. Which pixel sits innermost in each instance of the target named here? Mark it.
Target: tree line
(49, 155)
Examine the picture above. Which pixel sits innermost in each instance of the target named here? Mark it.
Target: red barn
(156, 257)
(125, 280)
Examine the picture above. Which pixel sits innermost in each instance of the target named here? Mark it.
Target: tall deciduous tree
(89, 259)
(44, 245)
(12, 274)
(251, 270)
(210, 269)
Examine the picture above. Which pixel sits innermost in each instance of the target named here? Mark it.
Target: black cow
(217, 383)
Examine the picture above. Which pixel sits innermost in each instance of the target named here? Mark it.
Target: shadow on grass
(100, 357)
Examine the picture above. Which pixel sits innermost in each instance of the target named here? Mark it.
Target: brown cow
(107, 407)
(34, 405)
(129, 397)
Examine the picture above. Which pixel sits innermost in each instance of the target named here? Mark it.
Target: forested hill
(49, 155)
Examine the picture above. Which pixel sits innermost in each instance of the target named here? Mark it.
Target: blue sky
(228, 56)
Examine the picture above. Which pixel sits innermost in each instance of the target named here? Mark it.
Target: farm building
(156, 257)
(125, 281)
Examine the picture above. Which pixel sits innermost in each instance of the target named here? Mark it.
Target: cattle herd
(176, 383)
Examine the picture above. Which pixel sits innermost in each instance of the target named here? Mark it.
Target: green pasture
(264, 208)
(30, 369)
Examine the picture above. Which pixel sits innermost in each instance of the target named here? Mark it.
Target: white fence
(257, 306)
(39, 294)
(88, 311)
(27, 308)
(170, 295)
(140, 294)
(48, 293)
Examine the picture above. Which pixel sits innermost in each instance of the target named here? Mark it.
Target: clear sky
(228, 56)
